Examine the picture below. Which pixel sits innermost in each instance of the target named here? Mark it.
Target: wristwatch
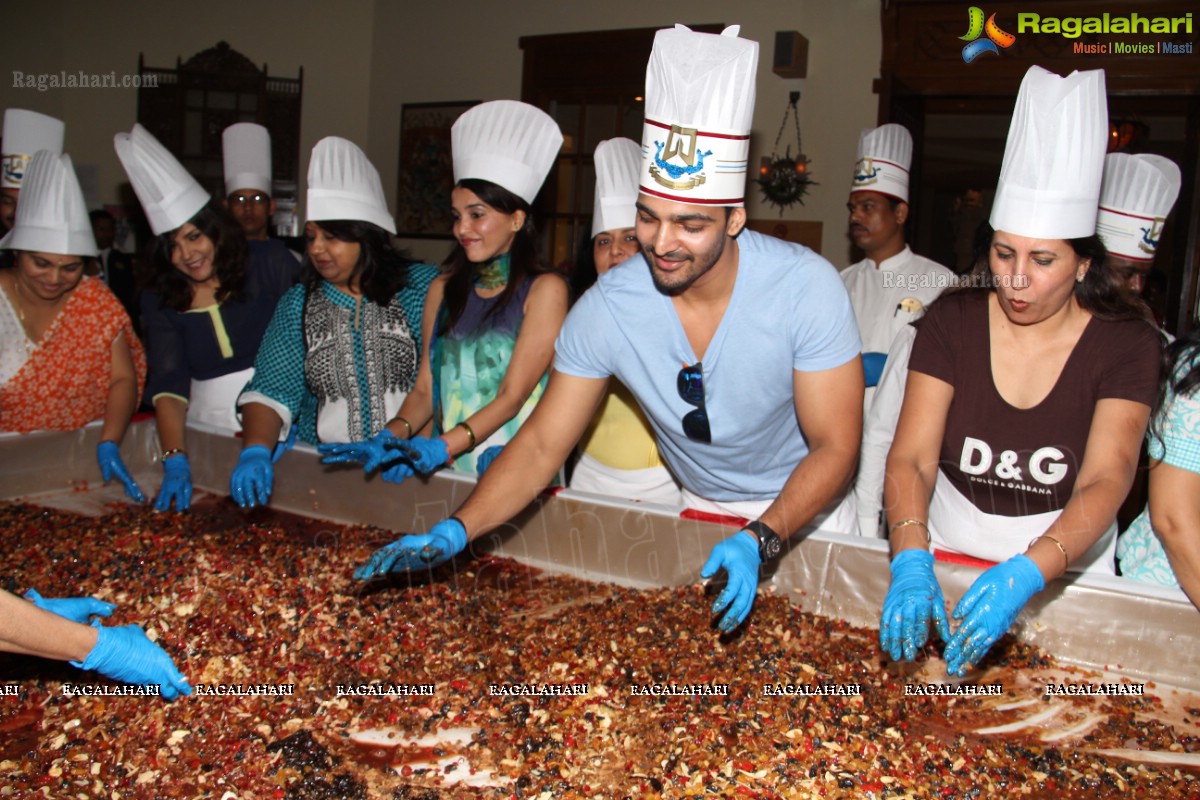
(769, 543)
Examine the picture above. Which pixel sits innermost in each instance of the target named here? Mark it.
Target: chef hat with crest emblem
(51, 217)
(509, 143)
(700, 90)
(1137, 194)
(169, 195)
(1049, 184)
(881, 165)
(246, 153)
(25, 133)
(617, 162)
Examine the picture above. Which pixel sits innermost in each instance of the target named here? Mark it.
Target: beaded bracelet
(174, 451)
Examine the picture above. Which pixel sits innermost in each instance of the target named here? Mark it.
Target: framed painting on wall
(426, 172)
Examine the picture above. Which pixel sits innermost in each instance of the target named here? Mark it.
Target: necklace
(494, 274)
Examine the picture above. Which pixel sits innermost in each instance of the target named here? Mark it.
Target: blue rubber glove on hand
(111, 465)
(738, 556)
(913, 600)
(989, 608)
(397, 471)
(251, 481)
(125, 654)
(444, 541)
(486, 458)
(76, 609)
(873, 367)
(286, 444)
(425, 455)
(372, 453)
(176, 485)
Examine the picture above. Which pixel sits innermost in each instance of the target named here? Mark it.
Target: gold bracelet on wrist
(470, 434)
(1061, 549)
(905, 522)
(404, 422)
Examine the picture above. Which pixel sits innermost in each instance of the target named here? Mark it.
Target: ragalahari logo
(996, 38)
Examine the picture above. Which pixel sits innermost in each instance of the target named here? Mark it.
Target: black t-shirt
(1011, 461)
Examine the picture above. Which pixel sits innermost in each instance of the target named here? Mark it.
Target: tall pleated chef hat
(344, 185)
(169, 195)
(246, 150)
(51, 217)
(1049, 184)
(617, 162)
(1137, 194)
(511, 144)
(881, 165)
(699, 109)
(26, 132)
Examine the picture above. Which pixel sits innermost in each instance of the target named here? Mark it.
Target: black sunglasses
(690, 384)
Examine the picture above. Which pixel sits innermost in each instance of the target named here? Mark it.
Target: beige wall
(468, 50)
(106, 35)
(367, 58)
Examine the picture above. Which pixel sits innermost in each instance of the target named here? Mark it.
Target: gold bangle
(470, 433)
(1061, 549)
(902, 523)
(407, 427)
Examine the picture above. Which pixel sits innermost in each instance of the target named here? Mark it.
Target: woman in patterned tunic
(340, 355)
(490, 321)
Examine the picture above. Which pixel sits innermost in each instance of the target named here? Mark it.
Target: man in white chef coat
(892, 285)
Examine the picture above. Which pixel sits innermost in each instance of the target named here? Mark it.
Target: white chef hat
(881, 165)
(511, 144)
(51, 217)
(699, 109)
(1135, 198)
(1049, 184)
(617, 163)
(246, 149)
(26, 132)
(343, 185)
(168, 193)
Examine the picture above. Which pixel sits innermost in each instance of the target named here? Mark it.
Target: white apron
(214, 402)
(649, 485)
(837, 517)
(957, 526)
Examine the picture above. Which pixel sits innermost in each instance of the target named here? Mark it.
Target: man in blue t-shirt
(741, 349)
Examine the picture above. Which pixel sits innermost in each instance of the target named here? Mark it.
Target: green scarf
(494, 274)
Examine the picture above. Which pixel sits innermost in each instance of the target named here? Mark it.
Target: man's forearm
(816, 481)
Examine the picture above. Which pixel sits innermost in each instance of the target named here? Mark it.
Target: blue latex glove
(989, 608)
(372, 453)
(286, 444)
(126, 654)
(397, 471)
(413, 552)
(913, 600)
(251, 481)
(76, 609)
(738, 556)
(873, 367)
(111, 465)
(425, 455)
(176, 485)
(486, 458)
